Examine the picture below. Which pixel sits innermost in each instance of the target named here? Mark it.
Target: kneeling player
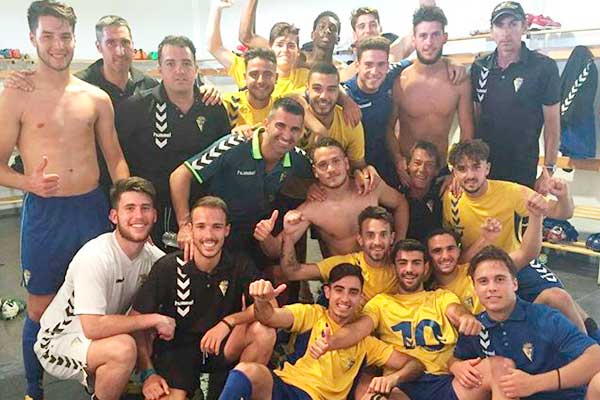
(205, 296)
(330, 377)
(84, 334)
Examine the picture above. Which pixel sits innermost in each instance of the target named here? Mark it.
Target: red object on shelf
(541, 22)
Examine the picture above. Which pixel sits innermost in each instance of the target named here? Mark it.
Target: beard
(342, 183)
(127, 235)
(412, 288)
(45, 59)
(432, 61)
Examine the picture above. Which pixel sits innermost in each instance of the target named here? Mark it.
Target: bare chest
(339, 219)
(66, 119)
(422, 97)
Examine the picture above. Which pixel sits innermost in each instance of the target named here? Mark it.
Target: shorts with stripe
(534, 278)
(64, 356)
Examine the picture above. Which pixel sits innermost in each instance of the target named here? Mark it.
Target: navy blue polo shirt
(376, 108)
(536, 337)
(511, 119)
(234, 169)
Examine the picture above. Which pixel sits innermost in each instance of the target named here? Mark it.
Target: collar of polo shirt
(518, 314)
(257, 155)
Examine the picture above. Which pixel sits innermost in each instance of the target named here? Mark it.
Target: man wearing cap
(516, 84)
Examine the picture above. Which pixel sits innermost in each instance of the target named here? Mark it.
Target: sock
(33, 369)
(237, 387)
(592, 329)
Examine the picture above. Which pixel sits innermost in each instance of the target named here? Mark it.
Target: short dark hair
(283, 29)
(325, 69)
(409, 245)
(442, 231)
(360, 11)
(325, 141)
(287, 104)
(343, 270)
(132, 184)
(492, 253)
(372, 43)
(430, 149)
(327, 14)
(110, 20)
(260, 52)
(179, 41)
(211, 202)
(429, 14)
(51, 8)
(474, 149)
(375, 212)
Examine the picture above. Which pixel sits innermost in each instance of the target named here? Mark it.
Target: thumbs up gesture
(321, 345)
(42, 183)
(264, 227)
(263, 291)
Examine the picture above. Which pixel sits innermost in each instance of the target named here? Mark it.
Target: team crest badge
(469, 301)
(517, 82)
(528, 351)
(26, 277)
(141, 279)
(223, 285)
(200, 122)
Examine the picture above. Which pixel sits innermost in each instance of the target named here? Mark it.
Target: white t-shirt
(100, 280)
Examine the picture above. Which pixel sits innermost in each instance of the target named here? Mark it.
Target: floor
(578, 274)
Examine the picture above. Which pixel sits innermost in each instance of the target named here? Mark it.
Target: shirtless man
(425, 100)
(335, 217)
(55, 128)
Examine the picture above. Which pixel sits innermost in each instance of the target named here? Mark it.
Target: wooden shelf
(587, 164)
(571, 247)
(148, 66)
(557, 53)
(529, 34)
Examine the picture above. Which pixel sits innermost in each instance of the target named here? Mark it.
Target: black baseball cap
(508, 8)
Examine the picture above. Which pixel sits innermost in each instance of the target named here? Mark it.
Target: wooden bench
(585, 212)
(11, 200)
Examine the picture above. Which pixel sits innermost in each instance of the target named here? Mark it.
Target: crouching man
(84, 332)
(329, 377)
(552, 358)
(206, 297)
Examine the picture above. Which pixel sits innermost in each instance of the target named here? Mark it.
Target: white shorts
(64, 356)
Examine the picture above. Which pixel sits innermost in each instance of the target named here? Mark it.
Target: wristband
(229, 325)
(559, 382)
(147, 373)
(550, 168)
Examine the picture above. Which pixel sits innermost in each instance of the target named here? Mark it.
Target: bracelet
(559, 382)
(229, 325)
(147, 373)
(550, 168)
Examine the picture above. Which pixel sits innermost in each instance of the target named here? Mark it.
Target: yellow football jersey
(331, 376)
(504, 201)
(416, 324)
(297, 79)
(351, 138)
(240, 112)
(462, 286)
(377, 279)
